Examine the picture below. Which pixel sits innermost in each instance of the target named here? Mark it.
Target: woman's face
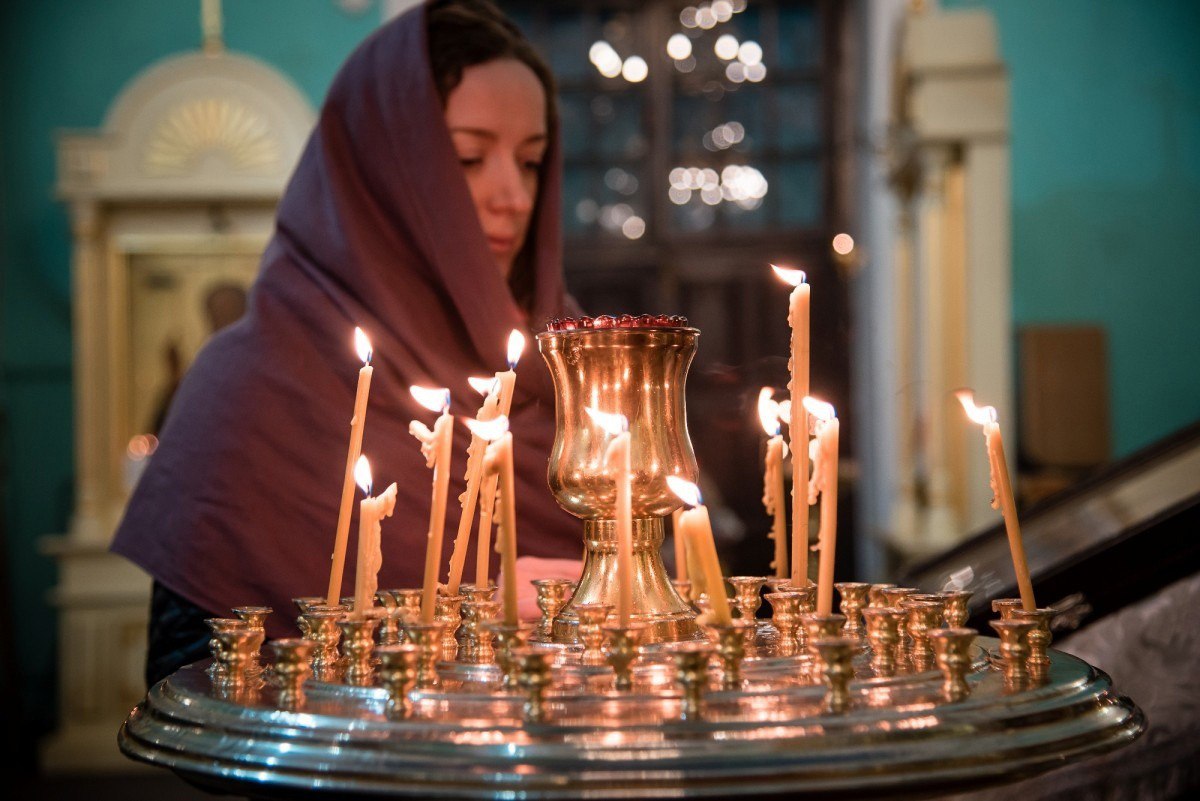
(497, 120)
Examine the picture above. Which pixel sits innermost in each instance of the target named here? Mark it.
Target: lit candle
(504, 396)
(498, 461)
(1002, 494)
(371, 512)
(773, 488)
(798, 319)
(824, 483)
(696, 529)
(357, 424)
(681, 569)
(435, 445)
(617, 461)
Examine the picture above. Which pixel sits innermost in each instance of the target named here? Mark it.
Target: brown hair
(463, 33)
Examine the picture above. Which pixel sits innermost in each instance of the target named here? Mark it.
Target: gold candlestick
(691, 671)
(449, 614)
(292, 669)
(1006, 607)
(875, 596)
(389, 621)
(958, 604)
(475, 606)
(398, 675)
(832, 657)
(533, 676)
(952, 649)
(623, 643)
(731, 649)
(358, 643)
(785, 617)
(854, 598)
(231, 648)
(591, 618)
(1039, 640)
(1014, 649)
(552, 596)
(256, 616)
(428, 638)
(321, 626)
(922, 616)
(510, 638)
(306, 602)
(883, 632)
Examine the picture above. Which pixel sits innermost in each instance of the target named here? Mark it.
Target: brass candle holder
(623, 644)
(231, 646)
(894, 596)
(958, 608)
(320, 624)
(256, 616)
(398, 665)
(883, 633)
(952, 650)
(683, 588)
(808, 606)
(389, 621)
(817, 627)
(408, 601)
(292, 669)
(304, 603)
(922, 616)
(552, 596)
(832, 662)
(1014, 649)
(691, 671)
(533, 676)
(854, 599)
(875, 597)
(474, 642)
(731, 650)
(1039, 640)
(449, 611)
(640, 373)
(747, 594)
(358, 643)
(591, 618)
(428, 638)
(510, 638)
(1005, 607)
(785, 617)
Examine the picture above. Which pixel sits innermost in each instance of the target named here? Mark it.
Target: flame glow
(819, 408)
(483, 386)
(435, 400)
(611, 423)
(362, 345)
(688, 492)
(362, 474)
(768, 412)
(789, 276)
(488, 430)
(978, 414)
(516, 346)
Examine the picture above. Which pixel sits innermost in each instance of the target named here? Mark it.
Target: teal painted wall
(61, 63)
(1106, 190)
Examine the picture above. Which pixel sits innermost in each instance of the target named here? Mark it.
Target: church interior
(995, 194)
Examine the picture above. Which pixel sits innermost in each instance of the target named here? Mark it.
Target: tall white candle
(798, 320)
(498, 461)
(1002, 493)
(489, 388)
(824, 483)
(696, 528)
(773, 485)
(435, 445)
(504, 395)
(617, 461)
(358, 424)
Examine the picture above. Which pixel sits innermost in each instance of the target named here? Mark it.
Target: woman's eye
(470, 161)
(533, 165)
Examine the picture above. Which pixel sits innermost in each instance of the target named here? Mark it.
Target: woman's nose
(509, 192)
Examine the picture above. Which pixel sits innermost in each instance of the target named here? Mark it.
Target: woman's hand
(534, 567)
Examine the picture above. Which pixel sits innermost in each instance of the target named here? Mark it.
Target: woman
(425, 210)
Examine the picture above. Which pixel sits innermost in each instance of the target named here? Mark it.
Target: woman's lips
(501, 244)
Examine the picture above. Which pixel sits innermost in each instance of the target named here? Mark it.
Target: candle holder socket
(785, 617)
(428, 638)
(533, 677)
(389, 621)
(691, 672)
(875, 597)
(623, 644)
(398, 665)
(1005, 607)
(884, 624)
(731, 650)
(510, 638)
(832, 662)
(320, 624)
(952, 650)
(304, 603)
(922, 616)
(292, 669)
(854, 599)
(958, 608)
(591, 634)
(449, 611)
(358, 643)
(478, 607)
(231, 646)
(1014, 649)
(256, 616)
(552, 596)
(1039, 640)
(683, 588)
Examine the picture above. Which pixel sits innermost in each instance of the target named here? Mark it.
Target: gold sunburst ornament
(211, 125)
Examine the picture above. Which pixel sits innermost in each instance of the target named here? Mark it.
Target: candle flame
(516, 346)
(612, 423)
(435, 400)
(819, 408)
(483, 386)
(362, 474)
(362, 345)
(789, 276)
(785, 410)
(488, 430)
(768, 411)
(688, 492)
(978, 414)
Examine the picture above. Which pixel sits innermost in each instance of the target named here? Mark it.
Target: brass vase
(640, 373)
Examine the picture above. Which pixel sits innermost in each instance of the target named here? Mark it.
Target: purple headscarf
(376, 229)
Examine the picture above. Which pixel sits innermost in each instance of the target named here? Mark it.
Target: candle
(357, 425)
(1002, 494)
(435, 445)
(681, 569)
(798, 320)
(498, 462)
(504, 396)
(489, 388)
(617, 462)
(773, 488)
(824, 483)
(371, 512)
(697, 531)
